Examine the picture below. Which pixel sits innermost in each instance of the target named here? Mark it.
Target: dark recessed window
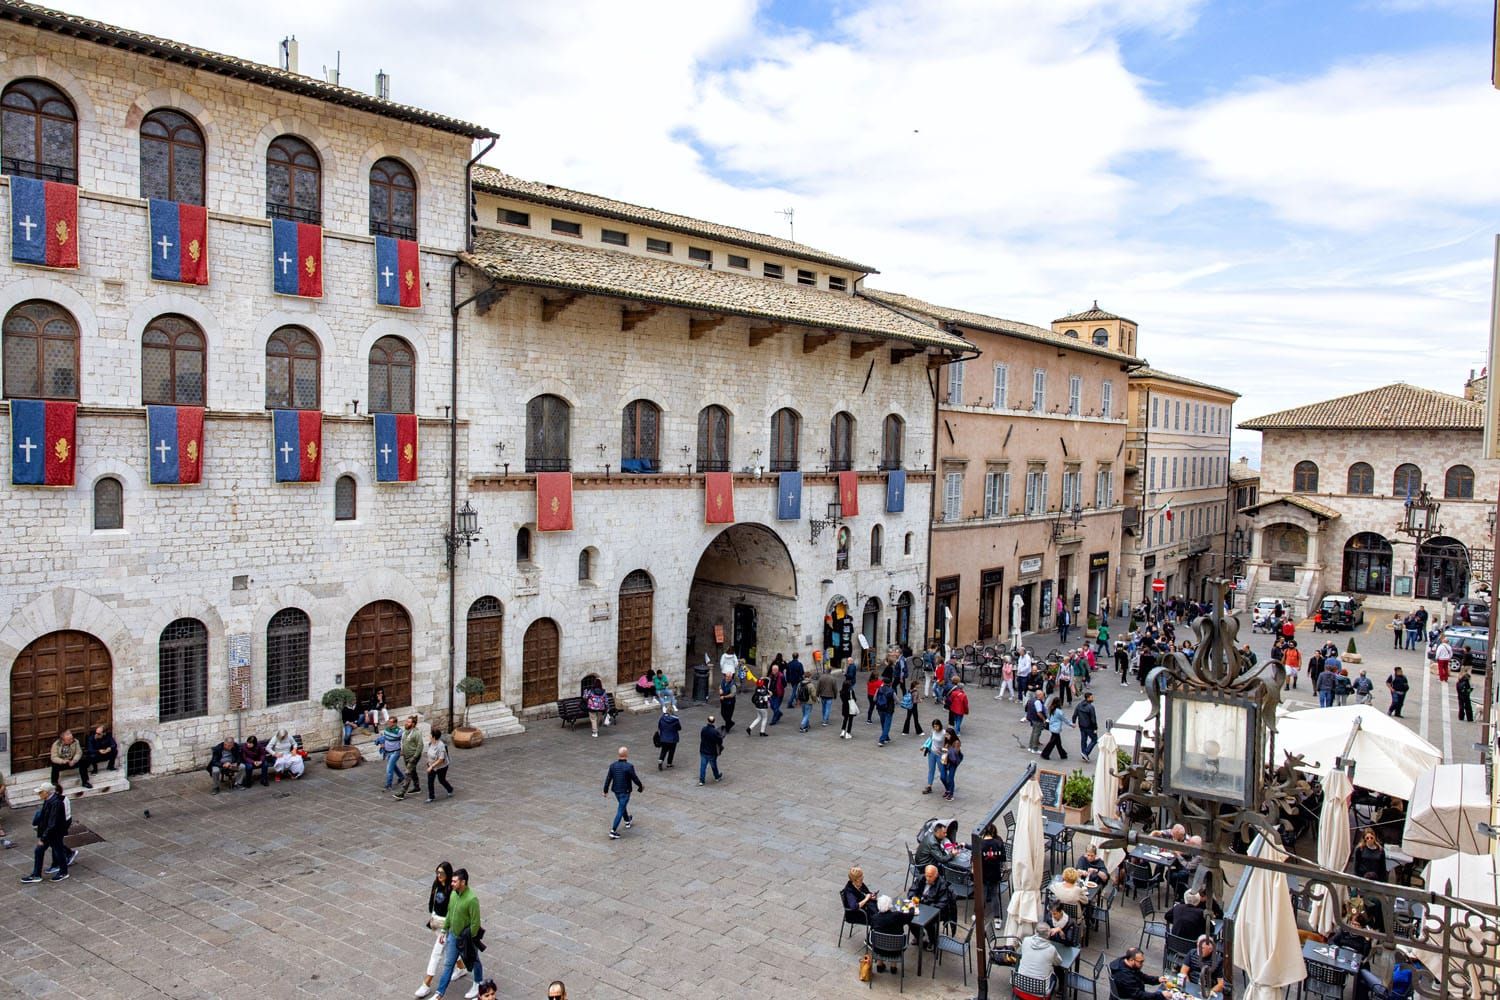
(511, 217)
(743, 263)
(807, 277)
(565, 228)
(658, 246)
(837, 284)
(615, 237)
(700, 254)
(773, 271)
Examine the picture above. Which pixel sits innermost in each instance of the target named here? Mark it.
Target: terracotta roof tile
(528, 260)
(1313, 507)
(1149, 372)
(1396, 407)
(1090, 314)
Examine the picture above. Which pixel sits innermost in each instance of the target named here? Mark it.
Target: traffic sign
(1158, 586)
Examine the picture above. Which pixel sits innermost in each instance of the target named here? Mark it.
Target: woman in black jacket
(437, 909)
(1369, 858)
(859, 898)
(1465, 691)
(848, 707)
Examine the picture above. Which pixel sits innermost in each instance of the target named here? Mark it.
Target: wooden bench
(570, 711)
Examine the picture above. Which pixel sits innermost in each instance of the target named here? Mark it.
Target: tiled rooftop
(1397, 406)
(1090, 314)
(1157, 373)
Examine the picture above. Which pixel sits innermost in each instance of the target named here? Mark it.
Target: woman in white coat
(284, 756)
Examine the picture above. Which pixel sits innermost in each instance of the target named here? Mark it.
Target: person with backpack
(958, 707)
(597, 702)
(885, 704)
(804, 693)
(760, 700)
(909, 701)
(1036, 715)
(1101, 639)
(411, 755)
(992, 864)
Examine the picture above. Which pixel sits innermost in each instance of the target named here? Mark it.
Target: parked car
(1470, 645)
(1341, 611)
(1478, 608)
(1262, 613)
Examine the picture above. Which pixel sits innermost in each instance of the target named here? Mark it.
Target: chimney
(289, 53)
(383, 85)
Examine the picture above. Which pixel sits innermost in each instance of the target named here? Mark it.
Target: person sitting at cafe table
(1092, 865)
(1177, 832)
(930, 849)
(1127, 979)
(1205, 967)
(1069, 887)
(1187, 919)
(935, 892)
(1038, 956)
(1349, 936)
(888, 921)
(1057, 927)
(859, 898)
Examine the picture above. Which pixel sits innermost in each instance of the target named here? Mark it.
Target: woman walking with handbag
(953, 755)
(849, 707)
(437, 912)
(932, 749)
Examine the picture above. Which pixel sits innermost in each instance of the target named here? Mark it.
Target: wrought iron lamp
(833, 520)
(1066, 519)
(1420, 518)
(465, 532)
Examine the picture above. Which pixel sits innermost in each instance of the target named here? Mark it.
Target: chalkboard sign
(1051, 783)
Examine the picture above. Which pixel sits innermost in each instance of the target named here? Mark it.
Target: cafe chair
(1030, 988)
(1141, 876)
(1077, 983)
(852, 918)
(1059, 850)
(1098, 911)
(1175, 951)
(952, 944)
(1010, 831)
(891, 949)
(1150, 926)
(1324, 981)
(960, 880)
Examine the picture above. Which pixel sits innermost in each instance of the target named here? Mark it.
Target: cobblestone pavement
(316, 888)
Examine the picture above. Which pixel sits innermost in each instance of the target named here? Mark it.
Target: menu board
(1051, 783)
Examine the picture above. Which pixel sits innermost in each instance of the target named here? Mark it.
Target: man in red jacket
(958, 707)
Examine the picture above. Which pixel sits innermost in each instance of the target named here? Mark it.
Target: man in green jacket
(461, 933)
(411, 754)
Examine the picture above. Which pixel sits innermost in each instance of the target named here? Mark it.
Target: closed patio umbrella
(1266, 945)
(1333, 847)
(1447, 805)
(1106, 794)
(1025, 907)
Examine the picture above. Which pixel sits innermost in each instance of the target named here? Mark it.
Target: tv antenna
(787, 213)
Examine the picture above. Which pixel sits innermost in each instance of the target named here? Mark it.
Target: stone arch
(325, 642)
(160, 304)
(548, 386)
(418, 165)
(91, 343)
(303, 129)
(425, 351)
(378, 583)
(297, 314)
(44, 67)
(745, 580)
(65, 609)
(364, 488)
(133, 488)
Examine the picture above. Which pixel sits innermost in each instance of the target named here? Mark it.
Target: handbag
(866, 973)
(656, 739)
(853, 707)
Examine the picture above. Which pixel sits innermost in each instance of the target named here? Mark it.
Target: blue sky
(1294, 198)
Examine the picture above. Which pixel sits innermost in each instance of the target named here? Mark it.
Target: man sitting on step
(67, 755)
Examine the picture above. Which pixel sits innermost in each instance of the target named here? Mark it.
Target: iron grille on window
(287, 640)
(172, 358)
(16, 167)
(182, 670)
(841, 452)
(393, 200)
(785, 435)
(41, 352)
(294, 181)
(640, 439)
(547, 420)
(38, 132)
(713, 439)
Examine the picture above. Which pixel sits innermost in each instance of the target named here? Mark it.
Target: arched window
(292, 370)
(1407, 481)
(294, 181)
(585, 565)
(547, 419)
(906, 546)
(345, 499)
(172, 156)
(877, 545)
(892, 442)
(713, 439)
(1072, 333)
(1101, 337)
(38, 132)
(109, 504)
(1305, 478)
(393, 200)
(640, 437)
(182, 670)
(288, 638)
(392, 377)
(41, 352)
(841, 443)
(172, 362)
(786, 430)
(523, 545)
(1361, 478)
(1458, 483)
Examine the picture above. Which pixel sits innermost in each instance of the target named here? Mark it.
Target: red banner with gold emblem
(554, 501)
(849, 493)
(718, 498)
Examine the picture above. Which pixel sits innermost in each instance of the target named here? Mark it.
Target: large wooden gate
(484, 658)
(64, 680)
(633, 638)
(377, 653)
(539, 655)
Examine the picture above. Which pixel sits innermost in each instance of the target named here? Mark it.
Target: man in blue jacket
(794, 673)
(51, 826)
(619, 779)
(710, 744)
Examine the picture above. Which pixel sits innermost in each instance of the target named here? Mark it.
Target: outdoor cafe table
(920, 921)
(1346, 960)
(1154, 855)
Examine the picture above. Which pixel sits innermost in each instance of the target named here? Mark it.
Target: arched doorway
(1284, 546)
(1442, 569)
(484, 652)
(1367, 564)
(743, 596)
(539, 658)
(63, 680)
(903, 618)
(377, 653)
(633, 634)
(869, 627)
(838, 630)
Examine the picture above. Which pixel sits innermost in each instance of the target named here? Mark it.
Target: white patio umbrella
(1266, 944)
(1106, 794)
(1333, 847)
(1025, 907)
(1447, 805)
(1462, 876)
(1388, 757)
(1133, 719)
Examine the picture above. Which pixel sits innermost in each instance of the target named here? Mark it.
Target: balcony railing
(713, 465)
(41, 171)
(394, 231)
(784, 465)
(547, 464)
(889, 464)
(312, 216)
(840, 465)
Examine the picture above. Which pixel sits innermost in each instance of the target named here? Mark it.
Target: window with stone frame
(294, 181)
(172, 157)
(182, 671)
(892, 442)
(393, 199)
(109, 505)
(1361, 479)
(1458, 483)
(713, 439)
(1305, 477)
(288, 640)
(38, 132)
(41, 352)
(841, 442)
(293, 370)
(345, 499)
(640, 437)
(523, 545)
(786, 434)
(173, 359)
(1407, 481)
(393, 375)
(548, 420)
(877, 545)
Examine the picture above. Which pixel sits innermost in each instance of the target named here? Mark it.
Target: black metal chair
(1098, 911)
(1076, 982)
(1175, 951)
(1059, 849)
(961, 881)
(1141, 876)
(852, 918)
(1150, 926)
(1324, 981)
(890, 948)
(1031, 986)
(952, 944)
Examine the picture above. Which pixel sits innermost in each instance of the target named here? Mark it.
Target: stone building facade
(1028, 453)
(1335, 478)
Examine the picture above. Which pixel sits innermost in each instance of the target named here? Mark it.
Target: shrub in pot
(465, 735)
(1077, 798)
(340, 754)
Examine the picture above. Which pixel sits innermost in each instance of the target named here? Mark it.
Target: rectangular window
(1174, 472)
(807, 277)
(1002, 387)
(1107, 398)
(658, 246)
(511, 217)
(615, 237)
(953, 495)
(1039, 390)
(1177, 416)
(773, 271)
(563, 227)
(1005, 494)
(992, 493)
(702, 255)
(743, 263)
(1075, 395)
(1150, 521)
(1155, 411)
(836, 284)
(1150, 474)
(1033, 488)
(1072, 489)
(1104, 488)
(956, 383)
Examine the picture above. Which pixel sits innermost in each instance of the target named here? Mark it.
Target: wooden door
(484, 654)
(64, 680)
(377, 653)
(539, 656)
(633, 637)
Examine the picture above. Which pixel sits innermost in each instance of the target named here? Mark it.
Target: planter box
(342, 757)
(467, 737)
(1351, 658)
(1077, 817)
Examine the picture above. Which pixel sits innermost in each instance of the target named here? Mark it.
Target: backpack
(597, 702)
(805, 692)
(883, 698)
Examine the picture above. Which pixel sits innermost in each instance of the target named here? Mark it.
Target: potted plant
(340, 754)
(1351, 654)
(465, 735)
(1077, 798)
